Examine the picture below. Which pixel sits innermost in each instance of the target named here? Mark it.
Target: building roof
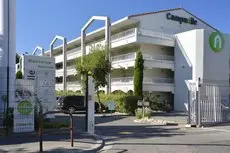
(126, 20)
(172, 9)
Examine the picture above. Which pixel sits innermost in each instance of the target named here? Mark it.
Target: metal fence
(208, 104)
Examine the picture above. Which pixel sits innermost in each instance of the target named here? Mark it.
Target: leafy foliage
(95, 64)
(17, 58)
(138, 75)
(124, 102)
(19, 75)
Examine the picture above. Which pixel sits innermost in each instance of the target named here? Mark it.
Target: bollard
(41, 128)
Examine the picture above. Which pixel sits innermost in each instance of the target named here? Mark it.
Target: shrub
(147, 112)
(138, 113)
(8, 119)
(19, 75)
(124, 103)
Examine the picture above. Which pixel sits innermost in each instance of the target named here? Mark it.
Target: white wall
(159, 22)
(216, 64)
(184, 62)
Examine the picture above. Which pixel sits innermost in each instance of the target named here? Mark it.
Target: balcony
(149, 84)
(159, 61)
(155, 38)
(124, 37)
(59, 73)
(71, 70)
(74, 86)
(74, 53)
(58, 86)
(151, 61)
(124, 60)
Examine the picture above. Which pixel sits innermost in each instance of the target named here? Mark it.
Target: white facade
(169, 48)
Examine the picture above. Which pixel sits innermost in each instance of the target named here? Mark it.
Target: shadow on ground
(115, 133)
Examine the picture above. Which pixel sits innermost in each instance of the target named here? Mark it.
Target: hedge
(124, 103)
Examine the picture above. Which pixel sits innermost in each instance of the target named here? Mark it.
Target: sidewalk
(54, 142)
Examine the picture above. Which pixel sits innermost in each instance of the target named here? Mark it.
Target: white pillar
(91, 105)
(7, 49)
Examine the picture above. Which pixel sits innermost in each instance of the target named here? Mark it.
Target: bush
(68, 93)
(156, 104)
(138, 113)
(19, 75)
(147, 112)
(123, 102)
(8, 119)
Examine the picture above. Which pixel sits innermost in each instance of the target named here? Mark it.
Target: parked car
(76, 103)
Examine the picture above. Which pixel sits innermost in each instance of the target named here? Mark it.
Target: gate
(208, 104)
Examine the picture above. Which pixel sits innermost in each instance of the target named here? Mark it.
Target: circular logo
(216, 41)
(25, 107)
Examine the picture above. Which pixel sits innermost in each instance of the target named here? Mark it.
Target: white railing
(71, 67)
(129, 80)
(122, 80)
(155, 34)
(123, 34)
(74, 83)
(129, 56)
(158, 57)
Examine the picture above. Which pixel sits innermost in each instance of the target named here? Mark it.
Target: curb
(99, 141)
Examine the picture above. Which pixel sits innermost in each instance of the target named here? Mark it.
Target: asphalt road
(122, 135)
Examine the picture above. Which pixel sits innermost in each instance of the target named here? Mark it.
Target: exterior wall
(216, 64)
(184, 61)
(159, 22)
(156, 50)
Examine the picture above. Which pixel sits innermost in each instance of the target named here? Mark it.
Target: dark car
(71, 103)
(76, 103)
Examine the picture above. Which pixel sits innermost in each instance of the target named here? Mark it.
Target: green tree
(19, 75)
(97, 65)
(138, 75)
(17, 58)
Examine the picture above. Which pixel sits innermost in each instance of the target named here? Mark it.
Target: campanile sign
(180, 19)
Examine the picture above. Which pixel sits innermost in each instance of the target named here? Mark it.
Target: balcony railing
(123, 34)
(122, 80)
(129, 80)
(155, 34)
(129, 56)
(158, 57)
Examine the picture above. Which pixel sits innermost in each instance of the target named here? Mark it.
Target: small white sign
(111, 105)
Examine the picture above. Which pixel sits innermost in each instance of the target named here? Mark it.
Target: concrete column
(7, 52)
(108, 47)
(64, 64)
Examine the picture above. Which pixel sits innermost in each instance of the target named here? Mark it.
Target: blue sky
(38, 21)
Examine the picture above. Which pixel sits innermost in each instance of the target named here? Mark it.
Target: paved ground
(122, 135)
(54, 142)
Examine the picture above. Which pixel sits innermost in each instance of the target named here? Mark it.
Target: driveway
(122, 135)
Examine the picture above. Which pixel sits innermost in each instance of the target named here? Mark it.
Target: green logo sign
(216, 41)
(25, 107)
